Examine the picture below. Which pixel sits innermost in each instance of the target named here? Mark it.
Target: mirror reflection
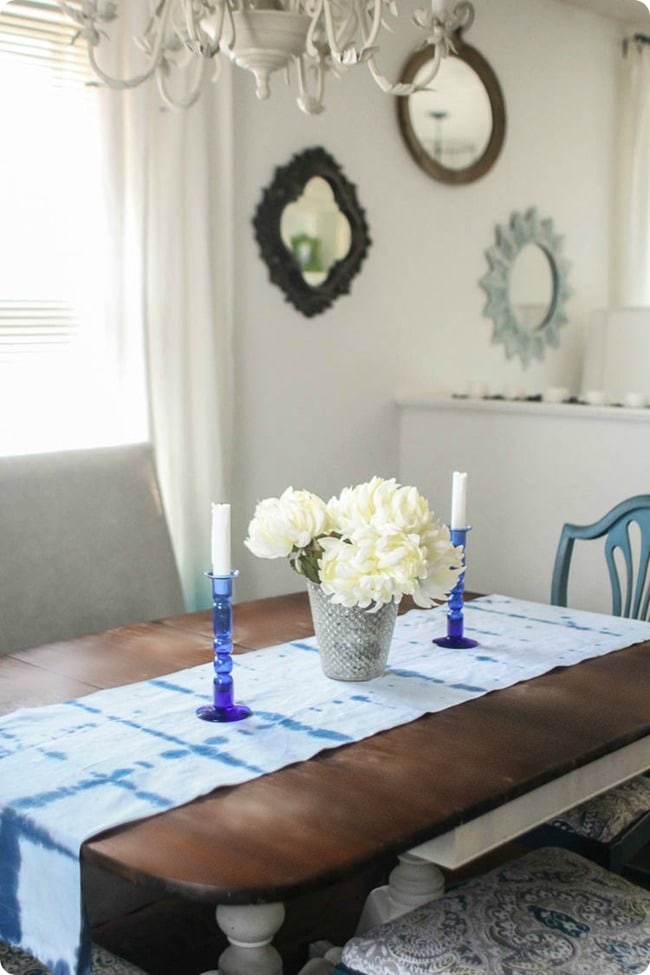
(315, 231)
(452, 119)
(531, 286)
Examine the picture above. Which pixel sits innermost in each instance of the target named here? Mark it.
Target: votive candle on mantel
(459, 500)
(221, 561)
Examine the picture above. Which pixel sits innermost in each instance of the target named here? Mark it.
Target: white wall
(531, 467)
(315, 397)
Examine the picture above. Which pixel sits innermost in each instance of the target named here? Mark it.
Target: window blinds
(37, 48)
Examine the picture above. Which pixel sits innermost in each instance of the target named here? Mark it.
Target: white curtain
(189, 320)
(171, 190)
(632, 251)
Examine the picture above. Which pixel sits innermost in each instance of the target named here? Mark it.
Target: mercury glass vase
(353, 643)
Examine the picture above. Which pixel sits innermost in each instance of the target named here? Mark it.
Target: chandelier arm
(432, 71)
(465, 9)
(201, 42)
(347, 29)
(399, 88)
(332, 39)
(376, 26)
(310, 104)
(155, 56)
(231, 21)
(310, 47)
(189, 21)
(113, 82)
(189, 99)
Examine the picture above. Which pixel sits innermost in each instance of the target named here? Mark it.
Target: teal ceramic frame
(525, 228)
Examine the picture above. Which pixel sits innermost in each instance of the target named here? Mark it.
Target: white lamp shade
(617, 359)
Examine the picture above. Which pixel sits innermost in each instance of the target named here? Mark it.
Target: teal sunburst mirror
(526, 286)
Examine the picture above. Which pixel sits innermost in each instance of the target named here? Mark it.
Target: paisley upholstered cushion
(549, 913)
(604, 817)
(17, 962)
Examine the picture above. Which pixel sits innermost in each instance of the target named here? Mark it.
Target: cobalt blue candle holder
(455, 638)
(223, 707)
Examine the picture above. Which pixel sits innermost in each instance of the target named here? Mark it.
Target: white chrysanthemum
(372, 545)
(444, 564)
(282, 525)
(376, 565)
(378, 502)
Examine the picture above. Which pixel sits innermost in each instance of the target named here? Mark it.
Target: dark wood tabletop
(315, 822)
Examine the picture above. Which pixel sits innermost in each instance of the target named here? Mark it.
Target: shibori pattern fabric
(69, 771)
(550, 911)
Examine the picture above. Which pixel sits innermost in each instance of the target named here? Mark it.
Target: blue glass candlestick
(455, 638)
(223, 707)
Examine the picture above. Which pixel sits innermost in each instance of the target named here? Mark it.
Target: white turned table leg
(250, 930)
(412, 882)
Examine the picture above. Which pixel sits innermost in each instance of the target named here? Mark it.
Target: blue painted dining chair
(613, 827)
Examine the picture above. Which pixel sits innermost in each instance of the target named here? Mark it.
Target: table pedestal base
(250, 930)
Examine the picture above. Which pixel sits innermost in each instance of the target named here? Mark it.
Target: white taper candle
(459, 500)
(221, 565)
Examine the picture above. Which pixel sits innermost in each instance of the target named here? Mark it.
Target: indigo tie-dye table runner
(70, 770)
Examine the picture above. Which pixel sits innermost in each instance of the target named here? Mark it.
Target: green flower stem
(305, 561)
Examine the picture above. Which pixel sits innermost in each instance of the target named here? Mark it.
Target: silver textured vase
(353, 643)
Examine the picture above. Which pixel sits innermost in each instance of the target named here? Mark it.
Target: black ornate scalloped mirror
(455, 128)
(311, 231)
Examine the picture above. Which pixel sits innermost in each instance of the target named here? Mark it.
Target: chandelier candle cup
(360, 553)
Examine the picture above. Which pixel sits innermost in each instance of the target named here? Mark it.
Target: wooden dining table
(447, 787)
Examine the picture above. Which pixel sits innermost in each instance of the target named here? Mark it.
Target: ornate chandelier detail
(187, 37)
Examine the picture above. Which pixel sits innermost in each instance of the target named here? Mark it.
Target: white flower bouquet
(370, 546)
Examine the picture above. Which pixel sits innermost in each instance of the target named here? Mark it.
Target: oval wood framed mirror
(455, 128)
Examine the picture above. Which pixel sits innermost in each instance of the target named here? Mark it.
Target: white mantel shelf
(576, 411)
(531, 467)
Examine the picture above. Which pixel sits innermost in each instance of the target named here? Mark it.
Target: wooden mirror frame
(475, 60)
(287, 186)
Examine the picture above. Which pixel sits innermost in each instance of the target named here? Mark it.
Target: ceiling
(630, 12)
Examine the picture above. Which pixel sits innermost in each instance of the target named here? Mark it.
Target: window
(58, 382)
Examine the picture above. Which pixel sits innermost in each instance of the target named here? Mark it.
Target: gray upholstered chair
(84, 545)
(550, 911)
(17, 962)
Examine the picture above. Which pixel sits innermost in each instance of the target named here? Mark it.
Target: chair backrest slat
(630, 584)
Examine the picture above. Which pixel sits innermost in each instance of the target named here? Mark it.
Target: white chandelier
(187, 37)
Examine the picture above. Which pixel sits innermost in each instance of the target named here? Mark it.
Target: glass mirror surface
(452, 118)
(531, 286)
(315, 231)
